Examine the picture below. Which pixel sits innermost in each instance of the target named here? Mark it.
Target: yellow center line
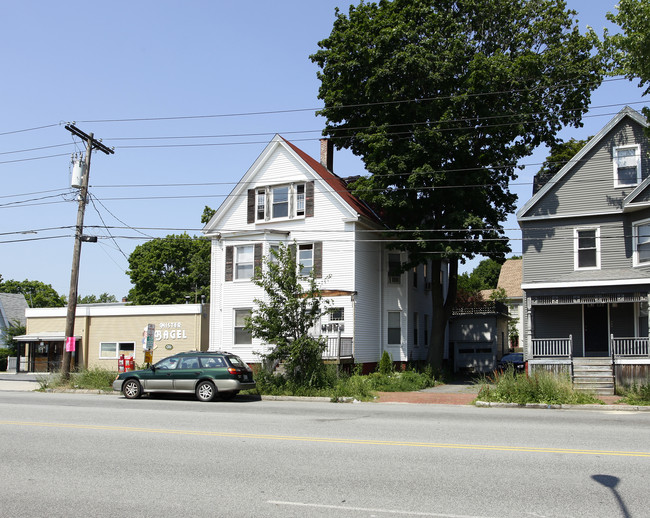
(482, 447)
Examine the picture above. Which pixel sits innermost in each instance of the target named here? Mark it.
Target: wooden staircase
(594, 375)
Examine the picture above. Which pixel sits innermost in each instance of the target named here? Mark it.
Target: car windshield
(167, 363)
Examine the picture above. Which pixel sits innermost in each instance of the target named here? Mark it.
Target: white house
(286, 196)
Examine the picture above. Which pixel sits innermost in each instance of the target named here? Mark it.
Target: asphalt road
(93, 455)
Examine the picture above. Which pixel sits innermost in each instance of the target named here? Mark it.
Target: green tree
(292, 305)
(630, 49)
(487, 273)
(37, 294)
(14, 329)
(560, 154)
(441, 99)
(167, 270)
(93, 299)
(207, 214)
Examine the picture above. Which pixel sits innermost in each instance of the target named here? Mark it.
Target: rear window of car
(236, 361)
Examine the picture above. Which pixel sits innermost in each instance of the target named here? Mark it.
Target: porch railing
(338, 347)
(636, 346)
(552, 347)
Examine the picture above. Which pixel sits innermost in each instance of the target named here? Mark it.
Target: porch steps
(594, 375)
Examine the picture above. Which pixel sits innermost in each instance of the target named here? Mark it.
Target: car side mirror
(153, 368)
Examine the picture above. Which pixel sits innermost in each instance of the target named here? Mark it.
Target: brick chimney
(327, 154)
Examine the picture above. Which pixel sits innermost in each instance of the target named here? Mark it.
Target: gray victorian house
(586, 261)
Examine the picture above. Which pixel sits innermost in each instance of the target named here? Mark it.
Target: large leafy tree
(630, 48)
(167, 270)
(284, 317)
(441, 98)
(37, 293)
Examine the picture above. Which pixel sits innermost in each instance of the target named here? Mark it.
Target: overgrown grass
(541, 387)
(95, 378)
(343, 385)
(638, 395)
(335, 385)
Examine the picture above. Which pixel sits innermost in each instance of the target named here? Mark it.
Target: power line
(357, 105)
(29, 129)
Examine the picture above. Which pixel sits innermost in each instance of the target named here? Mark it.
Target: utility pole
(70, 345)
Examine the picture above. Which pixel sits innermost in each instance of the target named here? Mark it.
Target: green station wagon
(205, 374)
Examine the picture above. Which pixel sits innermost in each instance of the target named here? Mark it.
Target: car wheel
(227, 396)
(205, 391)
(132, 389)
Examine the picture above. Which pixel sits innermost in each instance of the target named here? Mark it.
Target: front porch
(628, 363)
(339, 351)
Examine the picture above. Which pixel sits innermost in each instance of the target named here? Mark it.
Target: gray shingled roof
(12, 308)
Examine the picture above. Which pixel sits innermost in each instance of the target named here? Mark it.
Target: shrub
(385, 366)
(3, 358)
(338, 384)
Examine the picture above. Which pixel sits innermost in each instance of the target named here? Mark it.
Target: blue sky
(186, 64)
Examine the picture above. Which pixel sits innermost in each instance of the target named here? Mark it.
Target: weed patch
(638, 395)
(542, 387)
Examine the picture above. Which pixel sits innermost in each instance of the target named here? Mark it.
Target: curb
(627, 408)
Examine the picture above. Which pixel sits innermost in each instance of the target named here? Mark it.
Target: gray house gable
(639, 198)
(581, 228)
(585, 186)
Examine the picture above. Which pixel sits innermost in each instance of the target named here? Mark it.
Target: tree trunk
(442, 304)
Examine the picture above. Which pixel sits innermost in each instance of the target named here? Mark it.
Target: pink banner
(70, 344)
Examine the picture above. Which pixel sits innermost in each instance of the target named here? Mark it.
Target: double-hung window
(300, 199)
(394, 327)
(641, 233)
(587, 248)
(627, 165)
(244, 262)
(280, 202)
(394, 269)
(415, 329)
(261, 204)
(305, 259)
(242, 336)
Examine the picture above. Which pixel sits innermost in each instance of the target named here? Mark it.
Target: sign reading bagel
(170, 331)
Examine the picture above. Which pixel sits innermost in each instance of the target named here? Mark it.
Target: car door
(160, 379)
(186, 374)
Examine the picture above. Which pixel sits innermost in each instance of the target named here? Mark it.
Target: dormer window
(627, 166)
(287, 201)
